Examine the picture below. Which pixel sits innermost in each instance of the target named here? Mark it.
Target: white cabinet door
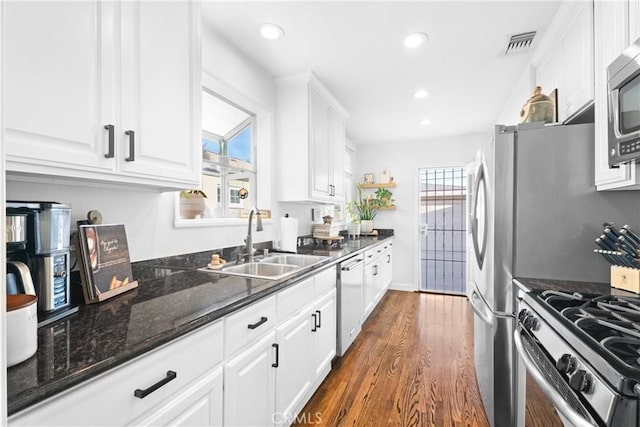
(311, 125)
(612, 22)
(386, 268)
(294, 371)
(319, 146)
(576, 59)
(370, 289)
(58, 85)
(199, 405)
(104, 90)
(338, 140)
(249, 390)
(325, 334)
(160, 136)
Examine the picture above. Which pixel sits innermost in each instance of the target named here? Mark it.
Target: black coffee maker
(46, 251)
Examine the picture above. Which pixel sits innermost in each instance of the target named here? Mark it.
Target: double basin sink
(273, 267)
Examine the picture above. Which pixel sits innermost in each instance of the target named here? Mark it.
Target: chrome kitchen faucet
(249, 239)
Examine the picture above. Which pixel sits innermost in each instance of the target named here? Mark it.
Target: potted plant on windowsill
(367, 211)
(192, 203)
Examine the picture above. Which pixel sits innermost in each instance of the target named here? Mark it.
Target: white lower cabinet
(199, 405)
(121, 396)
(295, 369)
(249, 384)
(270, 382)
(378, 269)
(256, 367)
(325, 334)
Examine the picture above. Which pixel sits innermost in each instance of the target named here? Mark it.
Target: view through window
(229, 157)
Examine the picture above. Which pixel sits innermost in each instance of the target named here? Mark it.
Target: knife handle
(609, 237)
(603, 242)
(632, 234)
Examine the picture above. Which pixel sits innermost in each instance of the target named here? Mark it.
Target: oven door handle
(560, 404)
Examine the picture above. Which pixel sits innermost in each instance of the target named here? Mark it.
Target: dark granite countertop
(529, 284)
(172, 299)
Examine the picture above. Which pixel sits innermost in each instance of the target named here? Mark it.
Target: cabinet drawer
(293, 299)
(109, 399)
(325, 280)
(370, 255)
(249, 324)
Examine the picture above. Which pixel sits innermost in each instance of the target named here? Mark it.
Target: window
(228, 156)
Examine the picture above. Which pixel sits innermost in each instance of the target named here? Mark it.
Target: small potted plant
(367, 211)
(353, 227)
(192, 203)
(383, 197)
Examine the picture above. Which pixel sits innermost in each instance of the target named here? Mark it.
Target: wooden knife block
(625, 278)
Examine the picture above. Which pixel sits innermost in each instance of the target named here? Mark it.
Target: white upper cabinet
(104, 91)
(564, 59)
(57, 96)
(614, 30)
(634, 20)
(311, 136)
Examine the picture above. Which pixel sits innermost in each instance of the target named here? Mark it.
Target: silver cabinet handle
(110, 154)
(132, 146)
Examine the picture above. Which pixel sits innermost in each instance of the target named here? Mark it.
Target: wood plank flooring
(412, 365)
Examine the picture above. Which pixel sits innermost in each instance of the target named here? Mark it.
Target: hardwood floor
(412, 365)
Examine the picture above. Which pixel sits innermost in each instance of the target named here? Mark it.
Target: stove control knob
(530, 323)
(566, 364)
(522, 314)
(580, 381)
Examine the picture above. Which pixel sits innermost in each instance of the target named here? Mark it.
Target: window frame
(262, 161)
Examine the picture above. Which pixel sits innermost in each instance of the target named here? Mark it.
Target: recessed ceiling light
(425, 122)
(421, 94)
(271, 31)
(415, 40)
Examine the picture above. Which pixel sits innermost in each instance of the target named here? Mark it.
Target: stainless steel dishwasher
(350, 282)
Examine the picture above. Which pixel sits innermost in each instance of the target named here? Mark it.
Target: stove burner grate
(612, 322)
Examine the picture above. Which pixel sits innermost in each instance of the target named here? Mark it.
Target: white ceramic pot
(22, 327)
(353, 229)
(366, 226)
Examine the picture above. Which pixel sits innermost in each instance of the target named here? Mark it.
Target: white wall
(148, 216)
(403, 160)
(521, 92)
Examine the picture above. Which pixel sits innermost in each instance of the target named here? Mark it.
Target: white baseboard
(407, 287)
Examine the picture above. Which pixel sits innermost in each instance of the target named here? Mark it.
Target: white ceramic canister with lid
(22, 327)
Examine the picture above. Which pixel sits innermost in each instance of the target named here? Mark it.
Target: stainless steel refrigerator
(533, 212)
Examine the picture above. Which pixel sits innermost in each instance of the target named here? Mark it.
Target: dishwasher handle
(353, 265)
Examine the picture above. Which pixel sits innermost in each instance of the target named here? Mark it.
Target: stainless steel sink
(292, 259)
(260, 270)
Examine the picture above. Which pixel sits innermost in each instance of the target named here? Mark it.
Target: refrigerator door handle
(477, 296)
(475, 299)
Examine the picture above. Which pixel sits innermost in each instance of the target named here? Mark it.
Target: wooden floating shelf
(380, 185)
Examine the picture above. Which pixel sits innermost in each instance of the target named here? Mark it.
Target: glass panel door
(443, 230)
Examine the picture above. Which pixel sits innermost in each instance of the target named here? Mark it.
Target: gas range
(584, 352)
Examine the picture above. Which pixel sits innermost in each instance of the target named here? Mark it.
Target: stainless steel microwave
(623, 77)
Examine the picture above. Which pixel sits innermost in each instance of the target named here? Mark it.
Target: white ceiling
(356, 50)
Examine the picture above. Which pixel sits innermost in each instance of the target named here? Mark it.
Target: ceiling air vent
(520, 42)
